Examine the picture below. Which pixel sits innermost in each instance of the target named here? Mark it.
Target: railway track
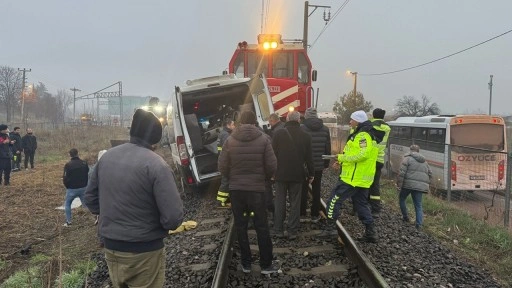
(305, 261)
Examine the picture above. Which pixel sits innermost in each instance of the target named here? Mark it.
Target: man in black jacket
(5, 154)
(17, 148)
(292, 147)
(76, 174)
(320, 145)
(29, 145)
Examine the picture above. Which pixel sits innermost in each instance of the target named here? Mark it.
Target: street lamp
(355, 81)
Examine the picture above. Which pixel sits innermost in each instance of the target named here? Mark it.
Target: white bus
(330, 121)
(478, 159)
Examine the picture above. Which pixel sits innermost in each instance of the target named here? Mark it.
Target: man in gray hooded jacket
(414, 178)
(133, 190)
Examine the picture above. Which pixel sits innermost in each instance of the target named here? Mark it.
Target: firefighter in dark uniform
(223, 193)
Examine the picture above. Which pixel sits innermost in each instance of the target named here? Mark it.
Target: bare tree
(10, 89)
(349, 104)
(410, 106)
(64, 99)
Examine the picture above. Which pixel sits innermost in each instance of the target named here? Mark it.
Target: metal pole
(74, 100)
(305, 35)
(490, 95)
(355, 83)
(23, 95)
(449, 175)
(508, 187)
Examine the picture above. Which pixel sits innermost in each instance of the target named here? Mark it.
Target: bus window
(238, 65)
(256, 64)
(419, 136)
(478, 135)
(282, 65)
(304, 71)
(436, 140)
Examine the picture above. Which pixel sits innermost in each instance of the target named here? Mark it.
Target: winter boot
(330, 229)
(369, 234)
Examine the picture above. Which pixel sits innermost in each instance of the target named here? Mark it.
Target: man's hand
(335, 165)
(311, 179)
(6, 141)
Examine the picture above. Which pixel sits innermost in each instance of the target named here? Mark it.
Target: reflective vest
(358, 160)
(380, 125)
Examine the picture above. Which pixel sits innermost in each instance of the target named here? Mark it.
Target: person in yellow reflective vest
(383, 129)
(357, 173)
(223, 193)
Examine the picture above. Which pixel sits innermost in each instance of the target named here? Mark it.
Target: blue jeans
(416, 200)
(71, 194)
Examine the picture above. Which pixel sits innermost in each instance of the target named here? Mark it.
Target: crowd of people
(261, 172)
(11, 147)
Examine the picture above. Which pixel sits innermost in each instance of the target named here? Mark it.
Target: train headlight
(291, 109)
(269, 41)
(273, 45)
(266, 45)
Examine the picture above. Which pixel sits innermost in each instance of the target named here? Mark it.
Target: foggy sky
(151, 46)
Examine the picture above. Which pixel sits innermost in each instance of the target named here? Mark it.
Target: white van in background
(195, 119)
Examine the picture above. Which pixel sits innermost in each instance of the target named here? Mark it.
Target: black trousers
(315, 204)
(5, 170)
(374, 195)
(247, 205)
(29, 155)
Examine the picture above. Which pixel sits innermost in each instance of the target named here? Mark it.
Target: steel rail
(220, 279)
(365, 268)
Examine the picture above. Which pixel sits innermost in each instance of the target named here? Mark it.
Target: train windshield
(479, 135)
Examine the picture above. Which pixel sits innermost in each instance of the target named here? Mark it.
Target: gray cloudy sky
(153, 45)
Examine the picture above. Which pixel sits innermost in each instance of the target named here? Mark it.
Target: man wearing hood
(132, 189)
(357, 173)
(247, 159)
(320, 145)
(414, 178)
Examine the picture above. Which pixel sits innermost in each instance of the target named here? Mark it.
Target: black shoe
(246, 268)
(369, 234)
(273, 268)
(330, 229)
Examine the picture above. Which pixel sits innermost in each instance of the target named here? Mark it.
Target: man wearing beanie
(247, 159)
(5, 154)
(357, 173)
(132, 189)
(383, 129)
(320, 145)
(293, 150)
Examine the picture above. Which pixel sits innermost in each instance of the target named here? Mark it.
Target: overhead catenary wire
(435, 60)
(329, 23)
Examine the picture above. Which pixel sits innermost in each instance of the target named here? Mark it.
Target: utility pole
(74, 100)
(23, 93)
(306, 21)
(355, 83)
(490, 95)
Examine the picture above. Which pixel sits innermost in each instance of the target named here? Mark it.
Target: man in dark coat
(17, 148)
(76, 174)
(29, 145)
(133, 190)
(5, 154)
(275, 124)
(247, 159)
(292, 147)
(320, 145)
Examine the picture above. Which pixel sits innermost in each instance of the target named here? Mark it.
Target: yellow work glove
(185, 226)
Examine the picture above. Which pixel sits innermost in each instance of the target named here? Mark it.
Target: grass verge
(488, 246)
